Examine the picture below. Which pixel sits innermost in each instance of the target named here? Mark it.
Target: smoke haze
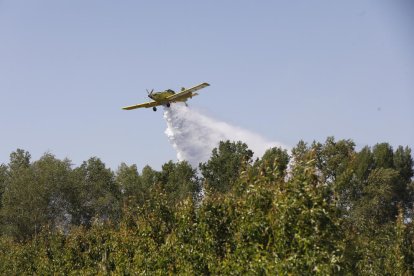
(194, 135)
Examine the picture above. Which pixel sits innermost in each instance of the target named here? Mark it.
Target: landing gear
(168, 104)
(154, 108)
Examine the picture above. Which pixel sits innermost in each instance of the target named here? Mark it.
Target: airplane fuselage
(161, 97)
(167, 97)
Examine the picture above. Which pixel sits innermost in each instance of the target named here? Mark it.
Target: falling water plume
(194, 135)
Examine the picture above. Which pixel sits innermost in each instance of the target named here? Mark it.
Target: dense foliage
(321, 209)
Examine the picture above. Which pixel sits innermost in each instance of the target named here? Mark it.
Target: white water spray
(194, 135)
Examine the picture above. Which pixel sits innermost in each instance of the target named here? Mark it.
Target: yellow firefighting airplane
(167, 97)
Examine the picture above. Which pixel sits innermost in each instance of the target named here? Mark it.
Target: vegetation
(321, 209)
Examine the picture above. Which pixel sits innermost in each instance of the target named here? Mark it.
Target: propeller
(150, 93)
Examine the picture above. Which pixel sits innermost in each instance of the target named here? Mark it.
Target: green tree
(305, 224)
(53, 177)
(377, 203)
(225, 165)
(19, 159)
(381, 250)
(36, 195)
(403, 163)
(383, 155)
(179, 181)
(273, 163)
(363, 164)
(301, 152)
(336, 211)
(149, 177)
(380, 182)
(98, 193)
(130, 183)
(24, 208)
(377, 190)
(3, 179)
(333, 157)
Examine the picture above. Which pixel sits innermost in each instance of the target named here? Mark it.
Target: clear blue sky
(287, 70)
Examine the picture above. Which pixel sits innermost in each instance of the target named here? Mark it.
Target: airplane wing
(187, 93)
(146, 105)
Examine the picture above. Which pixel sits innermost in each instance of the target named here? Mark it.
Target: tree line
(323, 208)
